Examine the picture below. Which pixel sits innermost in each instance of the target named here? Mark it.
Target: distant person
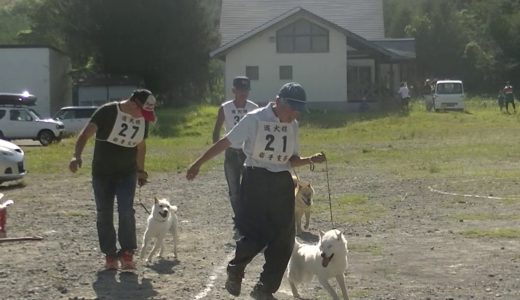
(404, 95)
(509, 96)
(501, 99)
(229, 114)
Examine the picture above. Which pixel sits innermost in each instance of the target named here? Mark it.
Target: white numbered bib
(127, 131)
(274, 142)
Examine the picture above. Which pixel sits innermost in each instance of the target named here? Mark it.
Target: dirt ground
(414, 251)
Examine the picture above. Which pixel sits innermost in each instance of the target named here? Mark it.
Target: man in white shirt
(404, 95)
(229, 114)
(265, 212)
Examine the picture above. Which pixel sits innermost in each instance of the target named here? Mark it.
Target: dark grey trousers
(265, 219)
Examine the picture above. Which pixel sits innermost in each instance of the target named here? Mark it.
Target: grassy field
(420, 144)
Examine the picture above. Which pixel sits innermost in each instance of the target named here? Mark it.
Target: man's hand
(142, 177)
(318, 158)
(75, 164)
(192, 172)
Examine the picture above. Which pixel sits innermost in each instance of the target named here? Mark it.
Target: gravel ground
(414, 250)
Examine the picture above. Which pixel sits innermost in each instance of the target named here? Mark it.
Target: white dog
(324, 260)
(303, 193)
(162, 219)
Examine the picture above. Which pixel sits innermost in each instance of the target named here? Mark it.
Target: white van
(74, 117)
(447, 95)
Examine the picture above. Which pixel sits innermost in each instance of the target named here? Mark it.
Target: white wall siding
(323, 75)
(26, 70)
(39, 72)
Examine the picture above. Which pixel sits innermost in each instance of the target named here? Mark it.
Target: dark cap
(147, 101)
(293, 94)
(241, 83)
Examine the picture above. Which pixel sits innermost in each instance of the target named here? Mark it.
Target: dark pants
(233, 165)
(265, 219)
(106, 189)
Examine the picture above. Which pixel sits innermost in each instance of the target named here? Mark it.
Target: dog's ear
(155, 200)
(321, 233)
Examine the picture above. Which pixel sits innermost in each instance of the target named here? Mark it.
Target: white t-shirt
(404, 92)
(233, 115)
(267, 142)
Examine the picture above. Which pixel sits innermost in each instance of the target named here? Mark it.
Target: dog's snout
(323, 254)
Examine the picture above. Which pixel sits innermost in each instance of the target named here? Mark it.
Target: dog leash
(140, 202)
(328, 189)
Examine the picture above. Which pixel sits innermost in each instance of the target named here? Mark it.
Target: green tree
(166, 42)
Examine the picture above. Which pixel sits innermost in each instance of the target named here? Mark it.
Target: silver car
(12, 166)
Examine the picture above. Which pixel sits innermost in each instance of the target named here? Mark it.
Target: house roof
(30, 46)
(401, 48)
(353, 39)
(362, 17)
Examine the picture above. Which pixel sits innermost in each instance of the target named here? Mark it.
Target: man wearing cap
(229, 114)
(117, 166)
(265, 212)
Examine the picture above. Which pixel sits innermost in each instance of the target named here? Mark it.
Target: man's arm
(213, 151)
(86, 133)
(142, 175)
(297, 161)
(218, 125)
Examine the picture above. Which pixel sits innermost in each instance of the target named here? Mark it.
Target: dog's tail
(173, 208)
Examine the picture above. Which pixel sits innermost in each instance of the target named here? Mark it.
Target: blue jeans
(233, 166)
(106, 189)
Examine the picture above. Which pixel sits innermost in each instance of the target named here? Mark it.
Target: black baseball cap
(242, 83)
(293, 94)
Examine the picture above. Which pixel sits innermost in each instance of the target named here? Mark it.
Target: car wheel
(45, 137)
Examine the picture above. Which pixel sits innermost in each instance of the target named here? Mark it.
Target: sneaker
(126, 259)
(111, 263)
(259, 293)
(234, 283)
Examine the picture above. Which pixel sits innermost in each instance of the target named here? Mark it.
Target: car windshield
(449, 88)
(35, 114)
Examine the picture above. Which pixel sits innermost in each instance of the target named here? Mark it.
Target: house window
(302, 36)
(252, 72)
(286, 72)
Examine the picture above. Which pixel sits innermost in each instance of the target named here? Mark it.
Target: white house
(40, 70)
(335, 48)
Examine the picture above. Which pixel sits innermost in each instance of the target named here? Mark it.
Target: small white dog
(303, 194)
(162, 219)
(324, 260)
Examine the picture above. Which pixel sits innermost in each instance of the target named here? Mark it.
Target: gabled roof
(353, 39)
(402, 48)
(362, 17)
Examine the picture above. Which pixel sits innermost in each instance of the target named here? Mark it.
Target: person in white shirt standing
(229, 114)
(404, 95)
(265, 211)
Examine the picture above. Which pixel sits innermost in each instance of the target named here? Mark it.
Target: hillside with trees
(167, 43)
(474, 40)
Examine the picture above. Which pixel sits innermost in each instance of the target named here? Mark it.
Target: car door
(20, 124)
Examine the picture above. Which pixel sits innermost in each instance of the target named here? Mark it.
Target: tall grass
(418, 144)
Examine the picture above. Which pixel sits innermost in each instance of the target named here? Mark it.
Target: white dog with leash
(324, 260)
(162, 220)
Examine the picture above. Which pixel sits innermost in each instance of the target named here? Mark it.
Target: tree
(166, 42)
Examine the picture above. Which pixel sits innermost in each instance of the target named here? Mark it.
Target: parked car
(447, 95)
(74, 117)
(22, 122)
(11, 162)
